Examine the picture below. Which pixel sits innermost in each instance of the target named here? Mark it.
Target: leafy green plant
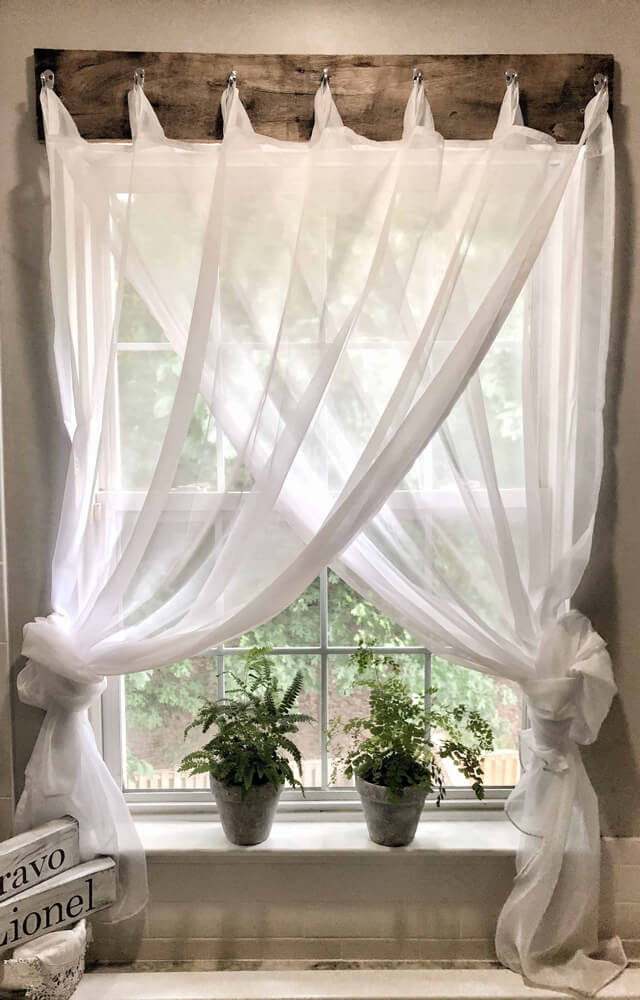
(254, 724)
(158, 708)
(402, 742)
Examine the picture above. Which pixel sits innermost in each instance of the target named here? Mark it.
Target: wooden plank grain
(60, 901)
(370, 90)
(38, 855)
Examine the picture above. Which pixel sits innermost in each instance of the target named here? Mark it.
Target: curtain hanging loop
(511, 76)
(47, 79)
(418, 76)
(138, 78)
(600, 81)
(324, 78)
(231, 80)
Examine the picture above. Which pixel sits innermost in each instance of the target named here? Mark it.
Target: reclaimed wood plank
(60, 901)
(38, 855)
(370, 90)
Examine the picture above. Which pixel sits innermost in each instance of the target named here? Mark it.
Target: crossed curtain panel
(356, 320)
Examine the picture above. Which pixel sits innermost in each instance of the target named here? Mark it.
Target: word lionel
(45, 917)
(23, 874)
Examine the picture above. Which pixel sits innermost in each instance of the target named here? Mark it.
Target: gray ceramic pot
(392, 824)
(246, 819)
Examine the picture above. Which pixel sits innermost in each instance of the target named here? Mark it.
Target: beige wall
(6, 769)
(34, 445)
(209, 903)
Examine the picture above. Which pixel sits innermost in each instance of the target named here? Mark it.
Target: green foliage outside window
(163, 701)
(254, 723)
(400, 744)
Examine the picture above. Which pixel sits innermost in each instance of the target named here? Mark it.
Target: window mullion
(324, 676)
(220, 665)
(220, 469)
(427, 688)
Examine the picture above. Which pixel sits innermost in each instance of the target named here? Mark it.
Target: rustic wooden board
(60, 901)
(38, 855)
(371, 91)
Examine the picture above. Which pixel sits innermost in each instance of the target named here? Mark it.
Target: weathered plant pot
(392, 824)
(246, 819)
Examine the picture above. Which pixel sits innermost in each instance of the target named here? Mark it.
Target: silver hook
(138, 78)
(600, 81)
(511, 76)
(325, 77)
(418, 76)
(231, 80)
(46, 79)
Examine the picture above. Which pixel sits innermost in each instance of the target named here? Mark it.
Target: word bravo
(34, 871)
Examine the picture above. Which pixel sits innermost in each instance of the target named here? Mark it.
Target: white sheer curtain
(333, 314)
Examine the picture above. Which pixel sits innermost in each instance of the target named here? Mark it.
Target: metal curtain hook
(600, 81)
(418, 75)
(231, 79)
(138, 78)
(325, 77)
(511, 76)
(47, 79)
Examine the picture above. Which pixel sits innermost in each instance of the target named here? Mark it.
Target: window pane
(347, 702)
(160, 703)
(497, 701)
(297, 625)
(351, 619)
(137, 325)
(158, 706)
(501, 376)
(147, 382)
(308, 738)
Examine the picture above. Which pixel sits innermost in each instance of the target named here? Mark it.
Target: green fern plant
(254, 724)
(395, 745)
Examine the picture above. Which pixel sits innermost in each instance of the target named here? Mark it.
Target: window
(315, 634)
(145, 713)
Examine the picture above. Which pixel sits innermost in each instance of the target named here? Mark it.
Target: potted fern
(394, 753)
(250, 757)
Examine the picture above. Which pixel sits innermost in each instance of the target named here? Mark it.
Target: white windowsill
(451, 834)
(341, 806)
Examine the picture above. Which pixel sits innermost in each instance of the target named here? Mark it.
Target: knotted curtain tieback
(57, 676)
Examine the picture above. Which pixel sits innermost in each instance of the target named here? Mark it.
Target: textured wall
(34, 445)
(6, 769)
(292, 899)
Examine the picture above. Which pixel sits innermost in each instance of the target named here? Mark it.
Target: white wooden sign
(38, 855)
(60, 901)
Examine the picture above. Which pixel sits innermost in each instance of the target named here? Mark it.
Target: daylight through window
(319, 630)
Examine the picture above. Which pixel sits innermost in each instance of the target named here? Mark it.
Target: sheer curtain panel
(388, 356)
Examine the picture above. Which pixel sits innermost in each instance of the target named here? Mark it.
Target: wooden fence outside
(500, 768)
